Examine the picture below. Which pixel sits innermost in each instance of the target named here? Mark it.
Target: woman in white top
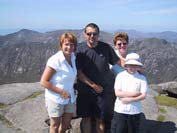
(121, 41)
(58, 79)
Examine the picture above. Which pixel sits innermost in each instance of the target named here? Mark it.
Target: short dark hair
(93, 25)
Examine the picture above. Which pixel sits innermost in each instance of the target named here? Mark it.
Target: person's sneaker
(70, 126)
(47, 121)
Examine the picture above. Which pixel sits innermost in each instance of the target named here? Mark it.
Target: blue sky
(110, 15)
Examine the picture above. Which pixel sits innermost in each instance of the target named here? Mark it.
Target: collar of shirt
(62, 57)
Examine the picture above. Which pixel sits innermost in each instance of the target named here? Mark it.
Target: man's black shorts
(90, 106)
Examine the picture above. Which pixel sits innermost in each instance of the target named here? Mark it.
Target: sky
(110, 15)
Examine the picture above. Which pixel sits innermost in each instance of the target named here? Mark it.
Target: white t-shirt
(63, 78)
(131, 83)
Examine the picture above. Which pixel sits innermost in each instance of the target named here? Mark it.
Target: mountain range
(23, 54)
(167, 35)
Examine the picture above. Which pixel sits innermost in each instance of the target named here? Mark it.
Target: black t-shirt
(94, 63)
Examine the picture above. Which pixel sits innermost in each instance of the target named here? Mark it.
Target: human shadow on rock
(153, 126)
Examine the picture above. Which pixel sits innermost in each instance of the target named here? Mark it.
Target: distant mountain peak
(27, 31)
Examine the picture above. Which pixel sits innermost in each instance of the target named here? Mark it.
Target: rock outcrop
(22, 110)
(170, 87)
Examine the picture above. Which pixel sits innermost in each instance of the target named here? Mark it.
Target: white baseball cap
(133, 59)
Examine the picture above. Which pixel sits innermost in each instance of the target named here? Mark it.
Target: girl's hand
(65, 94)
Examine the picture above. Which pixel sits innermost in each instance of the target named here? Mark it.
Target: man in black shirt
(95, 81)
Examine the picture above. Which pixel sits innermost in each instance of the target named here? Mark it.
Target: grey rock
(150, 108)
(5, 129)
(157, 89)
(28, 115)
(169, 86)
(149, 122)
(12, 93)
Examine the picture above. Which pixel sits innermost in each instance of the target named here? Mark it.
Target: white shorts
(56, 110)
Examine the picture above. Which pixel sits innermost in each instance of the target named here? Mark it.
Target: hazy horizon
(4, 32)
(140, 15)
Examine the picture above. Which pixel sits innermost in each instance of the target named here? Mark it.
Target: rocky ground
(22, 110)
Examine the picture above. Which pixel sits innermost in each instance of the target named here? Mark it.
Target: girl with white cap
(130, 88)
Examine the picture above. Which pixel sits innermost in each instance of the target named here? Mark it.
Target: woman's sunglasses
(120, 44)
